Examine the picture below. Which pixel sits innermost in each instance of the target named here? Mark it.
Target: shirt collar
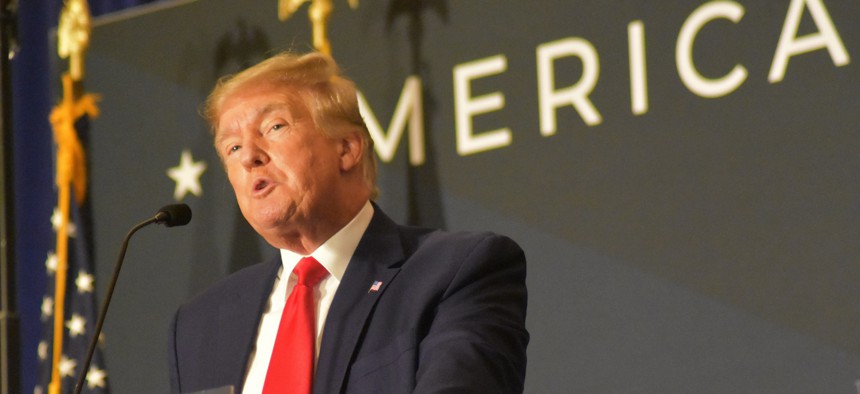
(334, 254)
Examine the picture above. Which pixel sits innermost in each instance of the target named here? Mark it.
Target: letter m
(409, 107)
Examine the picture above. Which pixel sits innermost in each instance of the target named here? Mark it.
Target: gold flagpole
(73, 38)
(319, 13)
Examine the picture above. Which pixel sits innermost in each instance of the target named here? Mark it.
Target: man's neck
(316, 233)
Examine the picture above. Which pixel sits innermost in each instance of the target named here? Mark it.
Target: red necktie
(291, 368)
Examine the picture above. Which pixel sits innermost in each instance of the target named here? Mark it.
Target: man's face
(284, 170)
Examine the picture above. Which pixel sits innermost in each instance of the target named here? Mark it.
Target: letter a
(790, 44)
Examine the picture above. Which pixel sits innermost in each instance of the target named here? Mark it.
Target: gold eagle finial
(73, 34)
(319, 13)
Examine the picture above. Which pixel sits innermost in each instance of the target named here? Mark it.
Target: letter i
(638, 71)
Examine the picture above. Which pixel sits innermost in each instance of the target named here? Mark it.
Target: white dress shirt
(334, 254)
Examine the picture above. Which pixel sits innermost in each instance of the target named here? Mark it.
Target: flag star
(187, 176)
(96, 377)
(84, 282)
(47, 307)
(51, 262)
(57, 221)
(76, 325)
(43, 350)
(67, 366)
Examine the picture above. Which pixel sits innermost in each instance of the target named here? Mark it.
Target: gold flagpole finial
(74, 35)
(319, 13)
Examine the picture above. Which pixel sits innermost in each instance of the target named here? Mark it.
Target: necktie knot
(310, 271)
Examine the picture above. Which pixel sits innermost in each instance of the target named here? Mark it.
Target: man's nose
(253, 153)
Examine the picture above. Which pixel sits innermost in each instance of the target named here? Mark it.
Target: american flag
(375, 286)
(79, 311)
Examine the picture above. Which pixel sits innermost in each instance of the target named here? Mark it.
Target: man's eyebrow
(219, 138)
(269, 108)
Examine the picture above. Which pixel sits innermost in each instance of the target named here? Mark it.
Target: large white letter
(694, 81)
(409, 105)
(638, 71)
(789, 44)
(549, 99)
(466, 106)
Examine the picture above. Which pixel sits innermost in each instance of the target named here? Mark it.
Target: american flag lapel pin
(375, 286)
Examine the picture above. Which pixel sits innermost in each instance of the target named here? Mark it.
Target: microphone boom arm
(171, 215)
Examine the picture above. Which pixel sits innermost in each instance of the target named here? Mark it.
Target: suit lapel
(238, 320)
(375, 261)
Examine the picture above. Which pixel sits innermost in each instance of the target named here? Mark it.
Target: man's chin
(269, 225)
(273, 230)
(269, 218)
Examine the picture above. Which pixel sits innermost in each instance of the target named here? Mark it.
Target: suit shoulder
(464, 239)
(458, 243)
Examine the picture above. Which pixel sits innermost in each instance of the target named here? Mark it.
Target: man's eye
(232, 149)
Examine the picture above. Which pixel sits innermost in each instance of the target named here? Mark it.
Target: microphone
(173, 215)
(169, 215)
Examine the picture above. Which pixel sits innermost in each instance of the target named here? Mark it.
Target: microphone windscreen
(174, 215)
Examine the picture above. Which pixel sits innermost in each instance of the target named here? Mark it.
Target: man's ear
(351, 150)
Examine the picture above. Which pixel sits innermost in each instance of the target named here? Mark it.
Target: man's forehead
(248, 105)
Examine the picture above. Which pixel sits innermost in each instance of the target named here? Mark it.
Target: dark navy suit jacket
(449, 317)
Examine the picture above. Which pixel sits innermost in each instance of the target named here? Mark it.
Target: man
(396, 309)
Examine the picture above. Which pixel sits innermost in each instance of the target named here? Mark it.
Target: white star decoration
(43, 350)
(187, 176)
(47, 307)
(76, 325)
(67, 366)
(51, 262)
(96, 377)
(84, 282)
(57, 220)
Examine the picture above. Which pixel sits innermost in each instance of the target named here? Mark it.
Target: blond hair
(317, 79)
